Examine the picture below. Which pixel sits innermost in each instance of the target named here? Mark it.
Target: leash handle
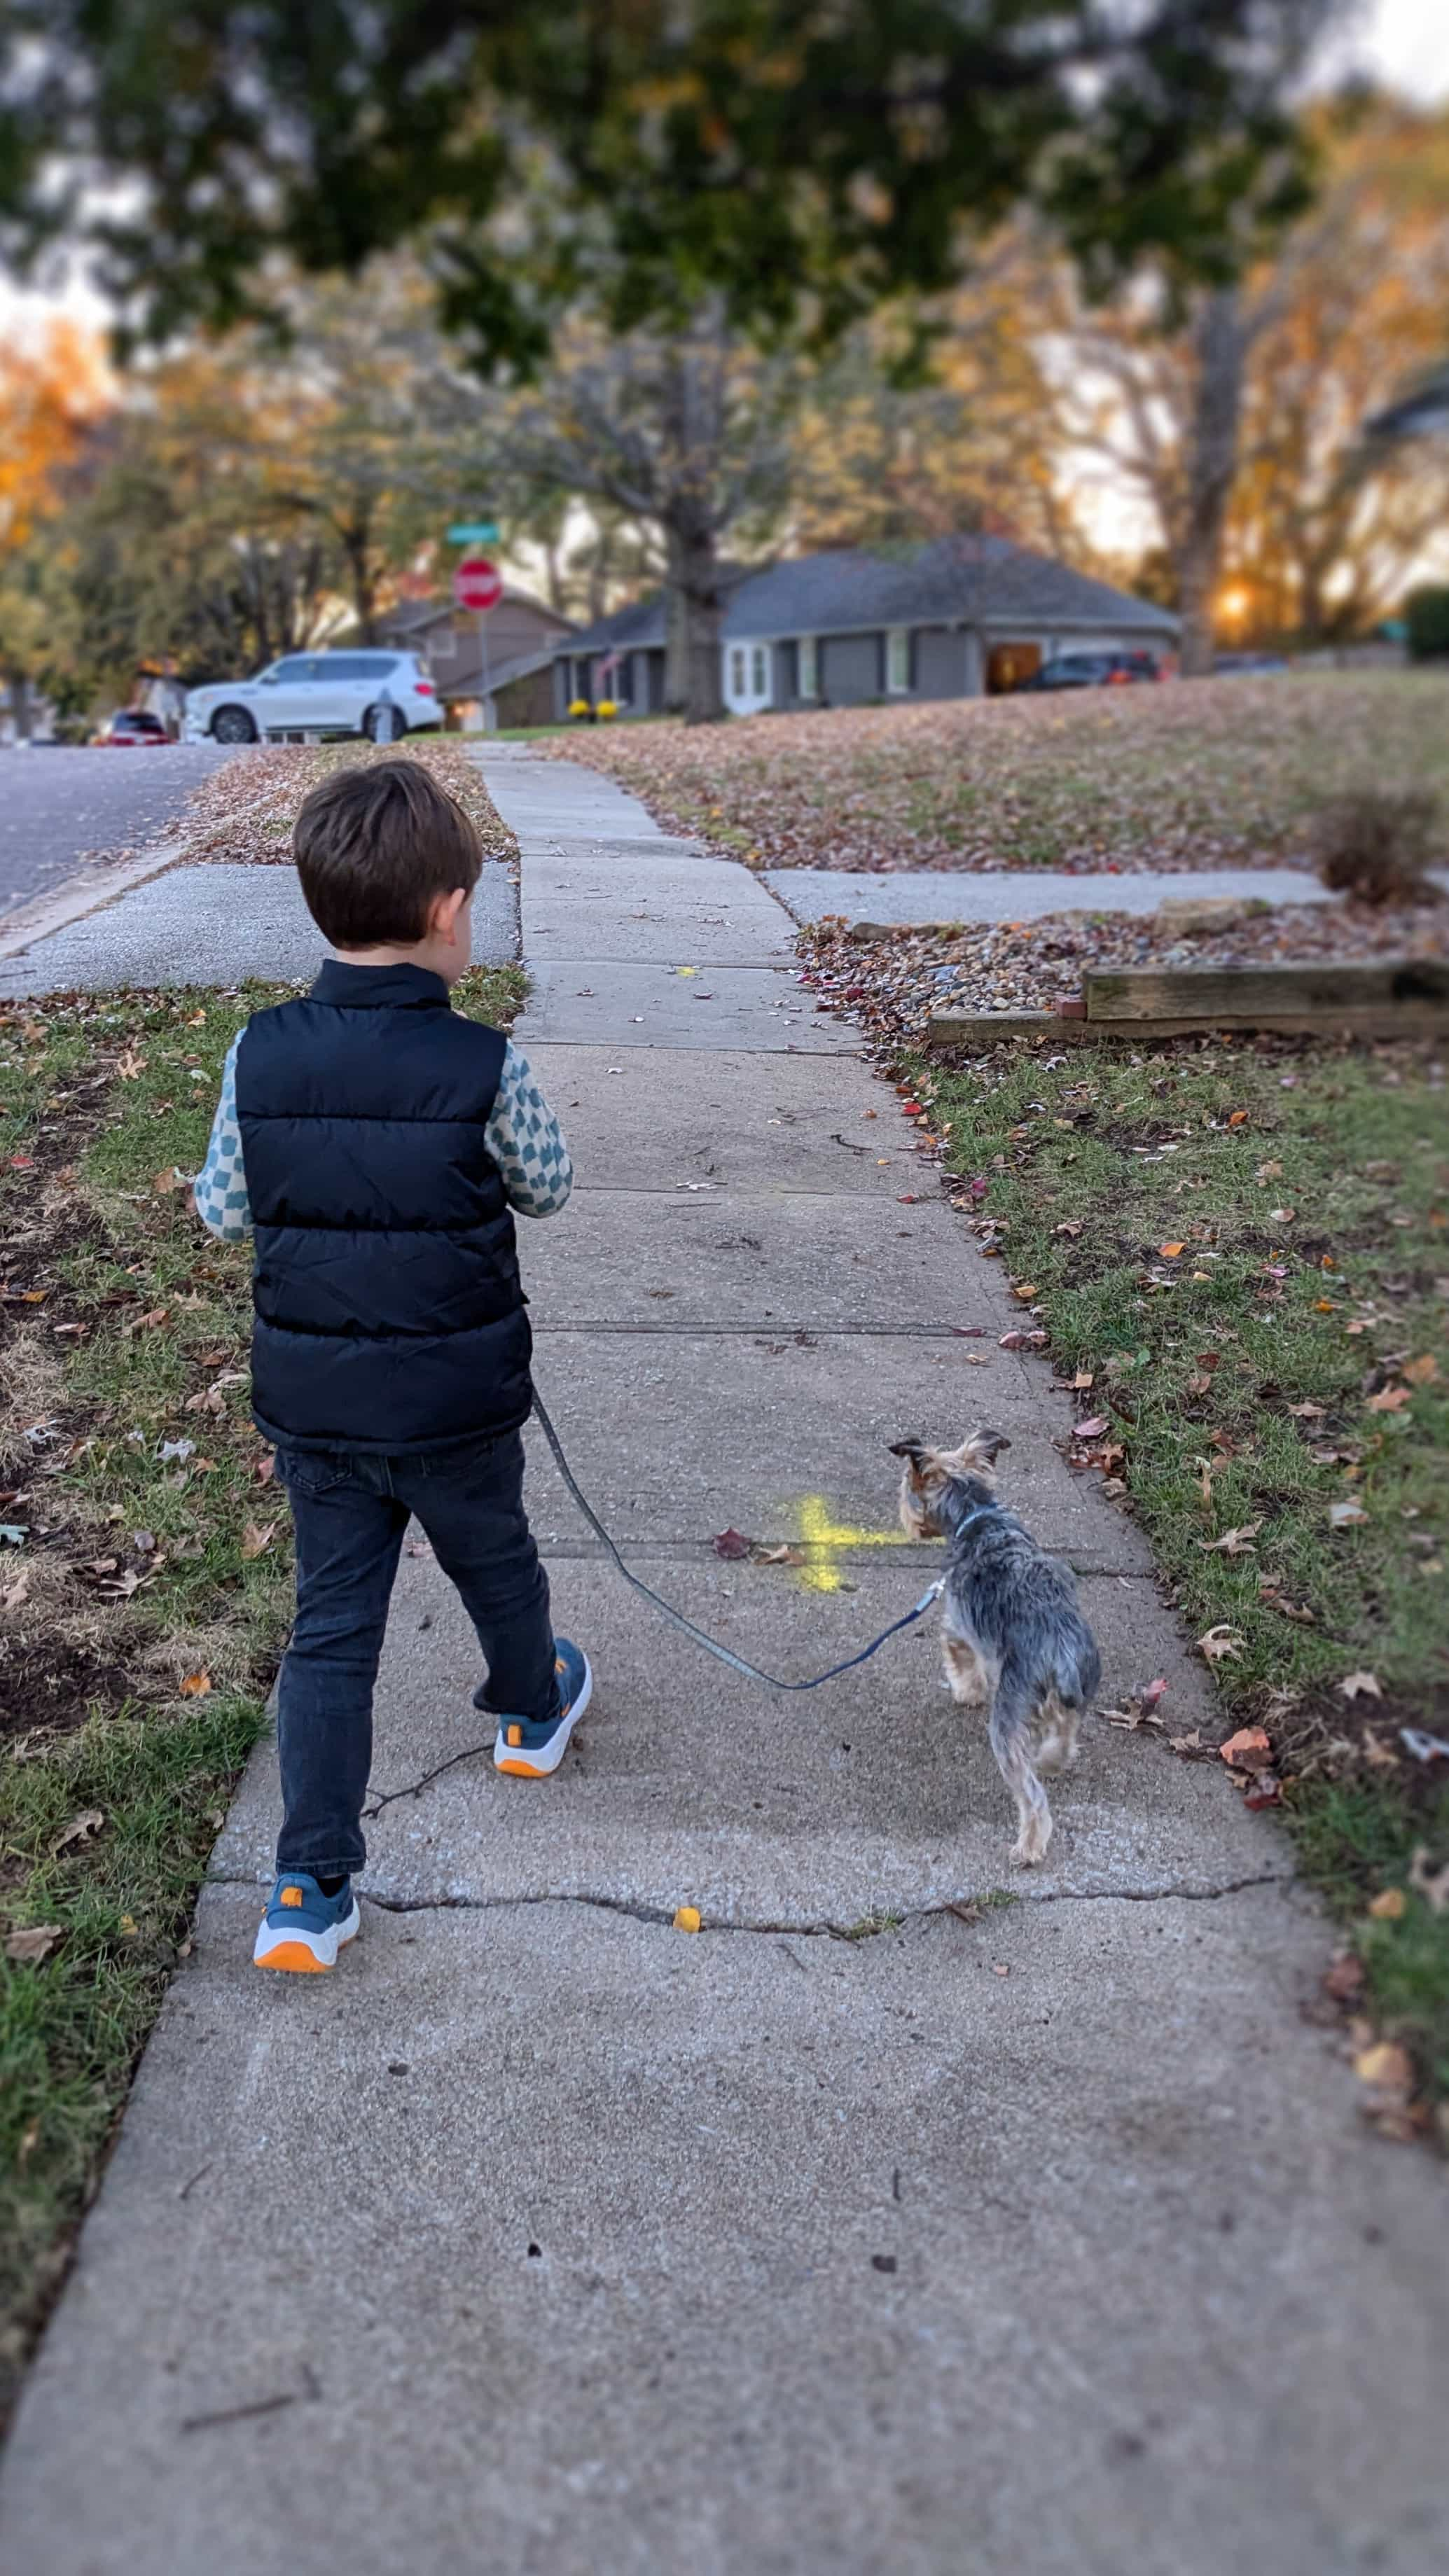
(723, 1654)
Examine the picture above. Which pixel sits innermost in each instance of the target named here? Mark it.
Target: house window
(898, 659)
(809, 684)
(760, 671)
(737, 670)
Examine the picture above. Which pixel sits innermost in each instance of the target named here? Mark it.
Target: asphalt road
(63, 810)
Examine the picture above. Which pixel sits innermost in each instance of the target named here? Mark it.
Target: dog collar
(982, 1512)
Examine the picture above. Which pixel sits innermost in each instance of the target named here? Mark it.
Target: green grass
(1309, 1192)
(141, 1709)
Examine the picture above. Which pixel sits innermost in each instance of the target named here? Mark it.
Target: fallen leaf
(1220, 1642)
(1234, 1542)
(1199, 1383)
(782, 1555)
(1268, 1172)
(1389, 1904)
(34, 1943)
(1248, 1750)
(1025, 1290)
(1171, 1251)
(1386, 2066)
(1390, 1399)
(1306, 1412)
(1421, 1372)
(17, 1592)
(1192, 1743)
(687, 1918)
(1091, 1429)
(1082, 1380)
(147, 1323)
(731, 1544)
(163, 1183)
(1344, 1980)
(1432, 1885)
(1208, 1359)
(195, 1685)
(265, 1469)
(129, 1065)
(257, 1537)
(1343, 1515)
(1069, 1225)
(81, 1830)
(1238, 1118)
(1360, 1686)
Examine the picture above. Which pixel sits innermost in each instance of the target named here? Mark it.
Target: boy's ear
(443, 913)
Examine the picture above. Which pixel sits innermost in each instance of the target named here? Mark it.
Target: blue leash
(737, 1663)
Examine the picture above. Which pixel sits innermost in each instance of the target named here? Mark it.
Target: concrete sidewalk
(547, 2238)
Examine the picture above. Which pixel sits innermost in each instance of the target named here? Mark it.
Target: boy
(376, 1142)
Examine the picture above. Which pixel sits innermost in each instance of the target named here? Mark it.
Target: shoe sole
(308, 1954)
(522, 1765)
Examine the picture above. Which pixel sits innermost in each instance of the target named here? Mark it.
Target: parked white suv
(383, 695)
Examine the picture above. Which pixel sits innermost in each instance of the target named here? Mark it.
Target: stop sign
(477, 583)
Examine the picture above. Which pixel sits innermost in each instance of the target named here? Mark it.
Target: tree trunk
(1211, 462)
(357, 547)
(703, 610)
(19, 685)
(676, 627)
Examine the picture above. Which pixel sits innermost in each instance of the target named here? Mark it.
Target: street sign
(473, 532)
(477, 584)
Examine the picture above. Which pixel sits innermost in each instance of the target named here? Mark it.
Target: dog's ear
(914, 1450)
(978, 1453)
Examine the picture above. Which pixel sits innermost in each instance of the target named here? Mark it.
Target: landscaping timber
(1256, 995)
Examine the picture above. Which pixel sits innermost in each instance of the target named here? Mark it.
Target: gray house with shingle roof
(954, 619)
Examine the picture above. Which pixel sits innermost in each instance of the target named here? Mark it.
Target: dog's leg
(1057, 1750)
(1010, 1733)
(967, 1679)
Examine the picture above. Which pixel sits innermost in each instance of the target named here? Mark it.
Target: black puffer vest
(389, 1314)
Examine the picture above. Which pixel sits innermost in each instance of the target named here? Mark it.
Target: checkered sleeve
(526, 1143)
(220, 1187)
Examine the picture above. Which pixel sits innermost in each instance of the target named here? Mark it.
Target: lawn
(246, 810)
(144, 1570)
(1240, 1255)
(1187, 775)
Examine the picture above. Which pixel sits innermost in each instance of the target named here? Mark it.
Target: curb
(32, 922)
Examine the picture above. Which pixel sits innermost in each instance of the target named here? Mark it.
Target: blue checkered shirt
(524, 1139)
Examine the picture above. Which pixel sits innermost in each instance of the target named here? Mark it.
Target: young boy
(376, 1142)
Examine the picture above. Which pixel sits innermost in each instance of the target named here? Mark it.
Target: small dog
(1012, 1635)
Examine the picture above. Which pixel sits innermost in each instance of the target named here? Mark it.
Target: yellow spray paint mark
(827, 1539)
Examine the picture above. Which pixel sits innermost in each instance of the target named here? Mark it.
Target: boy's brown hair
(375, 846)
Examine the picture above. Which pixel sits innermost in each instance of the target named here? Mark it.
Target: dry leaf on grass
(1344, 1515)
(1248, 1750)
(1431, 1884)
(195, 1685)
(1390, 1399)
(1361, 1686)
(257, 1537)
(1234, 1542)
(1307, 1412)
(1386, 2066)
(1219, 1644)
(1389, 1905)
(1421, 1372)
(32, 1944)
(81, 1830)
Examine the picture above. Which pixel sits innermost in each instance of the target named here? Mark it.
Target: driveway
(63, 810)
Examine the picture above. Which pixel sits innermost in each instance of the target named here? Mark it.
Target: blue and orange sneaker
(302, 1928)
(531, 1748)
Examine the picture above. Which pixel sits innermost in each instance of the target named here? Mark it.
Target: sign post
(478, 585)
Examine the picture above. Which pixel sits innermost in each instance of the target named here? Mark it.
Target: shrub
(1378, 845)
(1426, 613)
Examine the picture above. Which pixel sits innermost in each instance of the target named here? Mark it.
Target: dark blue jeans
(349, 1511)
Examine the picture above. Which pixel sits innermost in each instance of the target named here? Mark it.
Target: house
(521, 630)
(961, 617)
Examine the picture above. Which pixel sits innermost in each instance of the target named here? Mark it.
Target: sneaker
(304, 1929)
(529, 1748)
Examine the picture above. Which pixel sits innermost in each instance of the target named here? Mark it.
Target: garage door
(940, 663)
(850, 669)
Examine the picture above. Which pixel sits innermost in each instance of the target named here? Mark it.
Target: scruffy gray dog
(1012, 1635)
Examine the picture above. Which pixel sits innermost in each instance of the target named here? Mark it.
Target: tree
(1242, 431)
(51, 394)
(684, 434)
(793, 157)
(884, 456)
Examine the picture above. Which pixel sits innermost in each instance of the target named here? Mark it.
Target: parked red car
(133, 725)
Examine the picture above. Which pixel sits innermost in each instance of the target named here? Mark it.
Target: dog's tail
(1077, 1666)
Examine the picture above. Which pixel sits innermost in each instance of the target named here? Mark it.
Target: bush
(1426, 613)
(1378, 846)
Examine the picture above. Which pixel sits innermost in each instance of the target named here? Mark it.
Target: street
(63, 810)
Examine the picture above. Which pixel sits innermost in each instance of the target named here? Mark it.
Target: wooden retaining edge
(988, 1028)
(1328, 988)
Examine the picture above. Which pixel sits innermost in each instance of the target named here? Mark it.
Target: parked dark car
(1093, 671)
(131, 726)
(1228, 663)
